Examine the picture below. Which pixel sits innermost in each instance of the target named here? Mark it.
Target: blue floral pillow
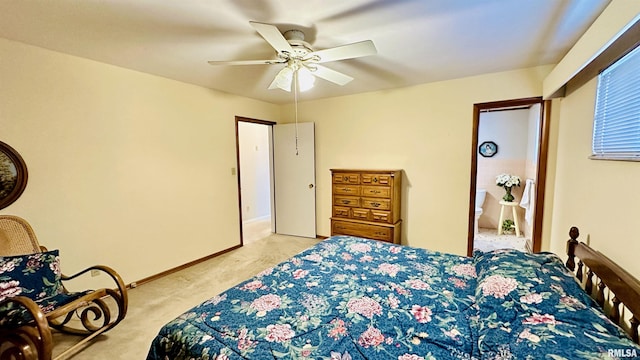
(36, 276)
(530, 302)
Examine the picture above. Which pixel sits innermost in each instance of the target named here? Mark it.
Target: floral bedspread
(345, 298)
(351, 298)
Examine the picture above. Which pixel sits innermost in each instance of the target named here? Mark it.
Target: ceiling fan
(301, 61)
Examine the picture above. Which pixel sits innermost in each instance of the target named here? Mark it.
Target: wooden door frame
(249, 120)
(541, 168)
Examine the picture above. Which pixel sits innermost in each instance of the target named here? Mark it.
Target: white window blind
(616, 127)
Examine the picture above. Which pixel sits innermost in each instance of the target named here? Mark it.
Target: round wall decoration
(488, 149)
(13, 175)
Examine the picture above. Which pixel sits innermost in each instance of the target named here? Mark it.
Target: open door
(294, 179)
(540, 167)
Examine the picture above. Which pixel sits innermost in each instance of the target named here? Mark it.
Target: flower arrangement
(507, 181)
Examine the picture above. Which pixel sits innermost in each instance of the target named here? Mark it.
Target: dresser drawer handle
(375, 204)
(346, 201)
(375, 191)
(346, 189)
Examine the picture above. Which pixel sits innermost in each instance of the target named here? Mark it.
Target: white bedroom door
(294, 179)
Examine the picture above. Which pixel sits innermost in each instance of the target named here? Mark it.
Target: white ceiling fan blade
(331, 75)
(350, 51)
(248, 62)
(273, 36)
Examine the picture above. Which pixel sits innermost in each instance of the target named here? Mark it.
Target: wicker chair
(26, 324)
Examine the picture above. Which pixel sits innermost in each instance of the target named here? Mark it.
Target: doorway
(276, 179)
(509, 137)
(254, 150)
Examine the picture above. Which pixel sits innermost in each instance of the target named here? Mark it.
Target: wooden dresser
(367, 203)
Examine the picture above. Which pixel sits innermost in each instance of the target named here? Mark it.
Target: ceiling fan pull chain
(295, 100)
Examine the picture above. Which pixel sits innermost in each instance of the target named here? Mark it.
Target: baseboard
(178, 268)
(261, 218)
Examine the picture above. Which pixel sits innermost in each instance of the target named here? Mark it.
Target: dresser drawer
(351, 201)
(361, 214)
(346, 189)
(379, 204)
(376, 191)
(339, 211)
(376, 179)
(346, 178)
(381, 216)
(362, 230)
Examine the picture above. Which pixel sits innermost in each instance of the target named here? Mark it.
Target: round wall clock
(13, 175)
(488, 149)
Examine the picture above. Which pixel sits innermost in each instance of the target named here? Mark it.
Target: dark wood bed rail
(624, 289)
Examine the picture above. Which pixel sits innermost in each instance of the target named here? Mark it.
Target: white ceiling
(418, 41)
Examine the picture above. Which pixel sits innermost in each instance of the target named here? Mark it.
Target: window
(616, 126)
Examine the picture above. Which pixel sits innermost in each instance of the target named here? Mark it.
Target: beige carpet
(153, 304)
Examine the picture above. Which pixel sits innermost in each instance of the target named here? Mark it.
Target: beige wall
(600, 197)
(125, 168)
(426, 131)
(133, 170)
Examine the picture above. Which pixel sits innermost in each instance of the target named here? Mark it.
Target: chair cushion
(36, 276)
(13, 315)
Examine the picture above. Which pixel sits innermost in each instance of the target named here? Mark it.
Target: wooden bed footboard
(617, 291)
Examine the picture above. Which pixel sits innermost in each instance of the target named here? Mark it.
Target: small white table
(513, 206)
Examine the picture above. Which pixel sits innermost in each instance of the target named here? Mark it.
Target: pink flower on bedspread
(364, 306)
(418, 284)
(338, 330)
(371, 337)
(421, 313)
(299, 273)
(337, 356)
(571, 302)
(498, 286)
(314, 257)
(360, 247)
(540, 319)
(410, 357)
(390, 269)
(244, 342)
(266, 303)
(533, 298)
(279, 333)
(393, 301)
(267, 271)
(459, 283)
(253, 285)
(464, 270)
(395, 249)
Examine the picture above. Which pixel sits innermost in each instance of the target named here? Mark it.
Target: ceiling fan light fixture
(283, 79)
(305, 79)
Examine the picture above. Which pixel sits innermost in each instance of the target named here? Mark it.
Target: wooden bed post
(571, 247)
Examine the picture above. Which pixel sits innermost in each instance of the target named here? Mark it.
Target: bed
(351, 298)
